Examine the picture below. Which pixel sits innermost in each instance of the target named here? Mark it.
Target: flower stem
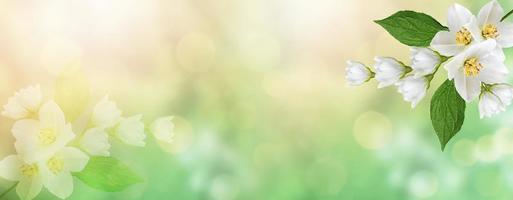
(8, 190)
(507, 15)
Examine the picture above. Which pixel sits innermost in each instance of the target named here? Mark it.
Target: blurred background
(257, 87)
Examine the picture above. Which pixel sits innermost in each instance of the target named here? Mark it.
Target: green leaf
(447, 112)
(72, 92)
(411, 28)
(107, 174)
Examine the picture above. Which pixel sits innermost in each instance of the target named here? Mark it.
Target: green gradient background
(263, 110)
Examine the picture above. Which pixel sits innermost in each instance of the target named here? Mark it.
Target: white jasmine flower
(424, 61)
(389, 71)
(38, 139)
(95, 142)
(24, 103)
(30, 182)
(413, 89)
(131, 131)
(459, 37)
(53, 173)
(478, 64)
(490, 26)
(105, 114)
(163, 129)
(357, 73)
(56, 171)
(495, 99)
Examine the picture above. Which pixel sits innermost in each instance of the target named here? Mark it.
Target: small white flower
(30, 182)
(490, 26)
(388, 71)
(105, 114)
(413, 89)
(424, 61)
(478, 64)
(38, 139)
(495, 100)
(95, 142)
(163, 129)
(357, 73)
(24, 103)
(459, 37)
(53, 173)
(131, 131)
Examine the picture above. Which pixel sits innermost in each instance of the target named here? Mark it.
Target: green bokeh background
(262, 108)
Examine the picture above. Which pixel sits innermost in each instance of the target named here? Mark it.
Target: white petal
(51, 115)
(356, 73)
(493, 71)
(74, 159)
(23, 103)
(388, 71)
(29, 188)
(27, 142)
(489, 105)
(458, 16)
(131, 131)
(60, 184)
(95, 142)
(491, 13)
(163, 129)
(481, 49)
(106, 113)
(10, 168)
(445, 43)
(505, 38)
(468, 87)
(424, 61)
(454, 65)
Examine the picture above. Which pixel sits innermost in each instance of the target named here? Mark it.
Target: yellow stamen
(463, 37)
(29, 170)
(47, 136)
(55, 165)
(472, 67)
(489, 31)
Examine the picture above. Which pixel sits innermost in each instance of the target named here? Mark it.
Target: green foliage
(72, 92)
(107, 174)
(411, 28)
(447, 112)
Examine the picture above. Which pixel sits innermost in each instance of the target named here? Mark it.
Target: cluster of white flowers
(471, 51)
(49, 148)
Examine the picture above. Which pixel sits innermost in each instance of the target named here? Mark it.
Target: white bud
(495, 100)
(388, 71)
(413, 89)
(424, 61)
(357, 73)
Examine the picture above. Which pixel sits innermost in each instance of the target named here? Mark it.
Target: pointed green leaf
(411, 28)
(107, 174)
(447, 112)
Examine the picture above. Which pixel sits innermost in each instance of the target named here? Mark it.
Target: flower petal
(51, 115)
(458, 16)
(29, 188)
(505, 38)
(445, 43)
(131, 131)
(10, 168)
(95, 142)
(59, 184)
(453, 66)
(493, 71)
(491, 13)
(74, 159)
(106, 113)
(27, 143)
(468, 87)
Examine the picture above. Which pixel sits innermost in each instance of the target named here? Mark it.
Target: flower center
(47, 135)
(463, 37)
(55, 165)
(472, 67)
(489, 31)
(29, 170)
